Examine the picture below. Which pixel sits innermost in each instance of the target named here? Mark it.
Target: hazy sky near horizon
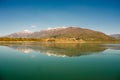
(35, 15)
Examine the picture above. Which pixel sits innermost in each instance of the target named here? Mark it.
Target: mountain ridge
(116, 36)
(67, 32)
(21, 34)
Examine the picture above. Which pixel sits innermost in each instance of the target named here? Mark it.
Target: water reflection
(113, 46)
(57, 49)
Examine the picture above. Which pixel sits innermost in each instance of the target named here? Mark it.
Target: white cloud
(33, 26)
(55, 28)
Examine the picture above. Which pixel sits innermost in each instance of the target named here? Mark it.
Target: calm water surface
(50, 61)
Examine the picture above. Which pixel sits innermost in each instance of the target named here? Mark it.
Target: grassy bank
(55, 40)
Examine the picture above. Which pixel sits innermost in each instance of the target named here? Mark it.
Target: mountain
(62, 32)
(116, 36)
(22, 34)
(71, 32)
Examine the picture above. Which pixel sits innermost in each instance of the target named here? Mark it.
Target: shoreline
(112, 42)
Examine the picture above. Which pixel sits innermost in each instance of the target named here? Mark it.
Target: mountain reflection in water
(113, 46)
(57, 49)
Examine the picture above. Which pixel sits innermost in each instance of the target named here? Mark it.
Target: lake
(59, 61)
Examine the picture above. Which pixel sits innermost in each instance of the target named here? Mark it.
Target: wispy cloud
(33, 26)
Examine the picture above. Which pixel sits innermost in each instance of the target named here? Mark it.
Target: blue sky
(35, 15)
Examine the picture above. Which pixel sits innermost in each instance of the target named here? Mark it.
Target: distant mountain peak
(117, 36)
(20, 34)
(26, 31)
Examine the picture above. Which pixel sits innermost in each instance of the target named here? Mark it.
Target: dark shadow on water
(2, 77)
(58, 49)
